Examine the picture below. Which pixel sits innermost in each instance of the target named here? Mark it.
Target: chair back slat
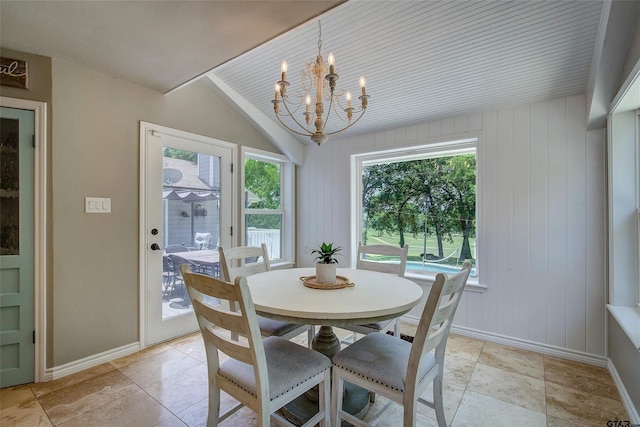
(234, 261)
(384, 250)
(435, 322)
(202, 290)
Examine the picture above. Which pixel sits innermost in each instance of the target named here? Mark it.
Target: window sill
(629, 320)
(426, 279)
(281, 265)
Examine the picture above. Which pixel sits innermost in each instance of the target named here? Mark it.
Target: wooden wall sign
(13, 72)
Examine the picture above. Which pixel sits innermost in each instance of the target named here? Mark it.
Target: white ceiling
(432, 59)
(422, 59)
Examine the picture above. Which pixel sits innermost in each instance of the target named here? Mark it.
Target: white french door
(186, 213)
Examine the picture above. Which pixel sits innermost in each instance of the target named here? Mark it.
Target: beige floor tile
(452, 398)
(69, 402)
(513, 359)
(580, 376)
(155, 368)
(510, 387)
(557, 422)
(19, 407)
(41, 389)
(457, 371)
(194, 347)
(585, 409)
(479, 410)
(181, 391)
(393, 416)
(197, 414)
(464, 348)
(136, 409)
(140, 355)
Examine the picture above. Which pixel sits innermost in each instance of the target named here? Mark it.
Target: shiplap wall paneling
(488, 221)
(504, 280)
(521, 281)
(557, 248)
(596, 241)
(538, 232)
(575, 312)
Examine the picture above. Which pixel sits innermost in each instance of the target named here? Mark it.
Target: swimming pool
(436, 268)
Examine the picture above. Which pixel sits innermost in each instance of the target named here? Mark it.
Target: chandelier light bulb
(331, 60)
(284, 67)
(308, 101)
(347, 96)
(277, 91)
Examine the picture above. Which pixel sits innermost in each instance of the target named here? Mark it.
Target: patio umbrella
(190, 196)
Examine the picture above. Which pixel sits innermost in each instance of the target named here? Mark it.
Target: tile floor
(486, 384)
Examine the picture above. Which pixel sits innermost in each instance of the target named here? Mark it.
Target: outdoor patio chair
(234, 264)
(394, 267)
(263, 375)
(399, 370)
(203, 240)
(175, 262)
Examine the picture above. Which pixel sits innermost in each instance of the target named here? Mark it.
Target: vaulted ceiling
(422, 59)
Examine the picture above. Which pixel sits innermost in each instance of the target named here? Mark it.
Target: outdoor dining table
(207, 259)
(374, 296)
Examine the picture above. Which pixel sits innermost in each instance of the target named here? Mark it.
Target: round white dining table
(281, 295)
(374, 296)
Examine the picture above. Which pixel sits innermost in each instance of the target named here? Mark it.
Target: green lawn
(416, 244)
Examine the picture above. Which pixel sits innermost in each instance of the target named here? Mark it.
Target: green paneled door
(16, 247)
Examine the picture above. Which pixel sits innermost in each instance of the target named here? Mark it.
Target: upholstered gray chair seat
(276, 328)
(288, 366)
(369, 327)
(382, 358)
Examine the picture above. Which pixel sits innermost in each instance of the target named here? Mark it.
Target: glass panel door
(188, 209)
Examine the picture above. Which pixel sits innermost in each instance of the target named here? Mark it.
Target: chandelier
(314, 77)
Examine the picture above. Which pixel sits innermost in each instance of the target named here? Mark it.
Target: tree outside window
(428, 203)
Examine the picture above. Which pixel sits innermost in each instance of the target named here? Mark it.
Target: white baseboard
(90, 361)
(626, 399)
(563, 353)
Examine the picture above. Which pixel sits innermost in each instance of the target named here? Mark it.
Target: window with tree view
(264, 213)
(425, 200)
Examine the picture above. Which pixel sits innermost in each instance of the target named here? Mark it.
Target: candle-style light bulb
(308, 101)
(284, 67)
(277, 91)
(347, 95)
(362, 85)
(331, 60)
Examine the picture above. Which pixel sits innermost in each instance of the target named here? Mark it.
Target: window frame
(444, 148)
(287, 203)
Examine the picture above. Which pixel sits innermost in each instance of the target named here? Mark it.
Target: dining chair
(245, 261)
(399, 370)
(170, 249)
(397, 267)
(263, 375)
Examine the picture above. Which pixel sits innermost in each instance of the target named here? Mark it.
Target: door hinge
(34, 336)
(231, 167)
(232, 231)
(33, 141)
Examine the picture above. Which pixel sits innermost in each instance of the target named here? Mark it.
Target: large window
(268, 203)
(424, 198)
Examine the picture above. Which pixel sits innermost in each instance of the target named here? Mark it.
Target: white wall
(541, 232)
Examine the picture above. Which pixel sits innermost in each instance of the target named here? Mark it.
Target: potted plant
(326, 262)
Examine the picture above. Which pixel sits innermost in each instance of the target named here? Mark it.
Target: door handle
(155, 247)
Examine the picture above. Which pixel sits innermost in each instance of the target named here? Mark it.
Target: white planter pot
(325, 273)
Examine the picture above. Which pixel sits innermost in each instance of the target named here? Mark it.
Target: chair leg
(409, 416)
(310, 334)
(324, 399)
(214, 404)
(396, 328)
(438, 400)
(337, 387)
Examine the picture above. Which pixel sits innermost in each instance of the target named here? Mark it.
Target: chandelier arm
(351, 124)
(294, 119)
(292, 130)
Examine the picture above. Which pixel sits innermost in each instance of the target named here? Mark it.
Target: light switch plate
(97, 205)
